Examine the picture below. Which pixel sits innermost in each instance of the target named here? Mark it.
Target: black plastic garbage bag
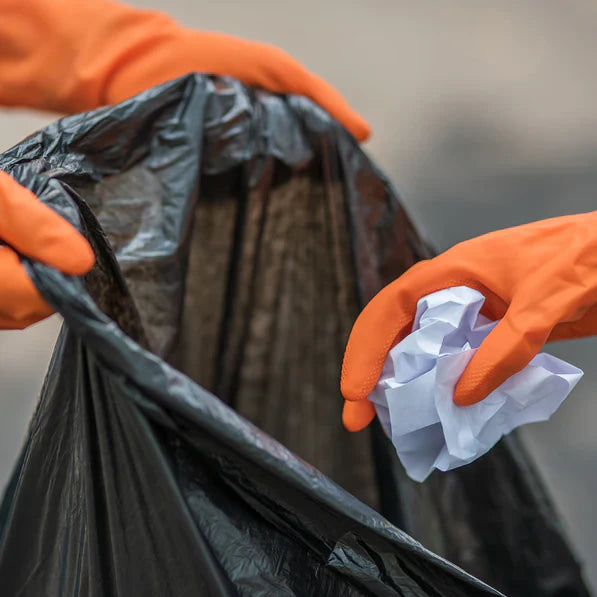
(239, 233)
(135, 481)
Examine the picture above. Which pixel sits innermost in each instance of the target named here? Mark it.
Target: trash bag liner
(237, 236)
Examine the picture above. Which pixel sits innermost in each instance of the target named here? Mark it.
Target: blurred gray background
(483, 115)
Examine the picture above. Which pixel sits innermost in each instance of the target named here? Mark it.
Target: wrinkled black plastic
(135, 480)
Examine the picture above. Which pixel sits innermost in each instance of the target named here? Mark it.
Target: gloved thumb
(385, 320)
(508, 348)
(37, 231)
(381, 323)
(357, 414)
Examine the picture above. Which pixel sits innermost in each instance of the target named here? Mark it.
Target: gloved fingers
(295, 78)
(508, 348)
(386, 320)
(35, 230)
(382, 323)
(154, 49)
(330, 99)
(271, 68)
(357, 414)
(20, 302)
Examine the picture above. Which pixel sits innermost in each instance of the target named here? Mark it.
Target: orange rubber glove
(540, 279)
(35, 230)
(75, 55)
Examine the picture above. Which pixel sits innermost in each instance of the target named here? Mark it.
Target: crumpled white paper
(413, 397)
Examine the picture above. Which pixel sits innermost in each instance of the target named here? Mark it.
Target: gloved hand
(35, 230)
(540, 279)
(76, 55)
